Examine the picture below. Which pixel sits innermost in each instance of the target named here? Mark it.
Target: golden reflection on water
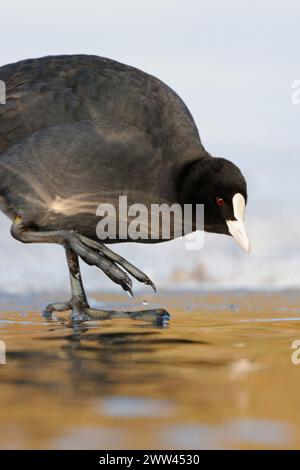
(218, 376)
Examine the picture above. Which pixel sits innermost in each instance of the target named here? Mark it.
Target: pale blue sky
(232, 61)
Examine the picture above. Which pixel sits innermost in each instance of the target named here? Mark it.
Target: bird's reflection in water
(99, 355)
(98, 358)
(132, 383)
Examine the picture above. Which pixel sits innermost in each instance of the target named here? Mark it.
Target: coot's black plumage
(77, 131)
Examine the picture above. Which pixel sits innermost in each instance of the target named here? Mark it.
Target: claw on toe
(129, 292)
(151, 284)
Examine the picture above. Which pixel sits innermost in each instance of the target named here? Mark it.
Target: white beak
(236, 227)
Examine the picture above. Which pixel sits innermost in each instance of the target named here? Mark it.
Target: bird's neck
(191, 179)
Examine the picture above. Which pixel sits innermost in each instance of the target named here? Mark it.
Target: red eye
(220, 201)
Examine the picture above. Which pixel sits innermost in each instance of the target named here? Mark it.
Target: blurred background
(234, 64)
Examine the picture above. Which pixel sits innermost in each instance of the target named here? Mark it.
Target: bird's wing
(42, 93)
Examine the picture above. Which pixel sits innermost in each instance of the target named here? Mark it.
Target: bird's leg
(93, 253)
(78, 303)
(78, 293)
(80, 308)
(70, 239)
(81, 311)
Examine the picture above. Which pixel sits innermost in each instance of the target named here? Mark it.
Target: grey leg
(78, 303)
(81, 311)
(93, 253)
(70, 239)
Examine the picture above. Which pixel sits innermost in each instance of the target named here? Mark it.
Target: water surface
(219, 375)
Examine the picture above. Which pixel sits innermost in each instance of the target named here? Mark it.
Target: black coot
(79, 131)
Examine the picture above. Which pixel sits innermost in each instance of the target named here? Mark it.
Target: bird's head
(220, 186)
